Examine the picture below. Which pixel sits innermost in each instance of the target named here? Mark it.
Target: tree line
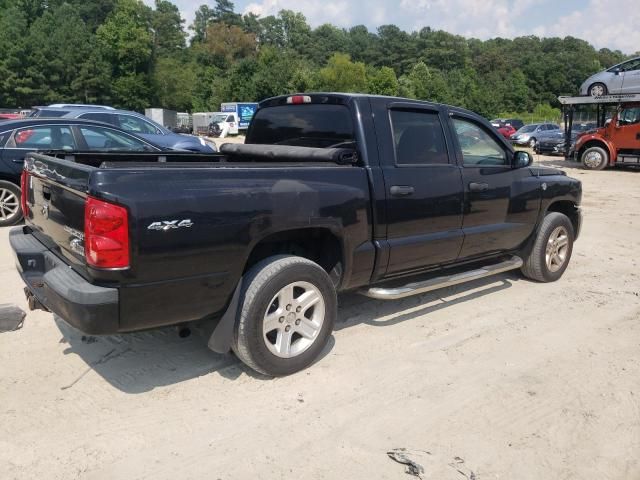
(127, 54)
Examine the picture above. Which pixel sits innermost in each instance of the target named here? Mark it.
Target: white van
(228, 123)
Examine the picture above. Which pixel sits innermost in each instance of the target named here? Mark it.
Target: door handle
(401, 190)
(478, 187)
(637, 136)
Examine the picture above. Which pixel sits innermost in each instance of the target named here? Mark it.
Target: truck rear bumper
(89, 308)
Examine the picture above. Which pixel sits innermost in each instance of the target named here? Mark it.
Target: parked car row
(530, 134)
(19, 137)
(554, 143)
(132, 122)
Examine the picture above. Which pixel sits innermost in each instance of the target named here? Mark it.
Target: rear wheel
(595, 158)
(289, 307)
(597, 89)
(10, 210)
(551, 250)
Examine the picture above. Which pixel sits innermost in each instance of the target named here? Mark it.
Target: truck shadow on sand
(139, 362)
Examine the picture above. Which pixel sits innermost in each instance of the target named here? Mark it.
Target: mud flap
(222, 335)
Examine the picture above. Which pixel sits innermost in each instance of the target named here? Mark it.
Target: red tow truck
(617, 140)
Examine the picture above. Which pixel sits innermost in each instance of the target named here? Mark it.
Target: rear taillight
(106, 234)
(24, 186)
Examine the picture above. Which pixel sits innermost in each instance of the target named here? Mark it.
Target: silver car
(621, 78)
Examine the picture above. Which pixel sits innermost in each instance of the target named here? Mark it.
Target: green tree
(173, 83)
(383, 81)
(168, 30)
(13, 32)
(126, 42)
(427, 84)
(203, 16)
(343, 75)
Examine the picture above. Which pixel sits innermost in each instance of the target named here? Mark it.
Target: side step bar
(417, 288)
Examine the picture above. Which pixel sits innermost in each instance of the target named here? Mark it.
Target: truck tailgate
(56, 190)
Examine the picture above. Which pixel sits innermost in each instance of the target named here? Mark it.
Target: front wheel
(595, 158)
(532, 143)
(289, 307)
(551, 250)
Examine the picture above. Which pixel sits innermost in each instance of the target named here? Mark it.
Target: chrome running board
(417, 288)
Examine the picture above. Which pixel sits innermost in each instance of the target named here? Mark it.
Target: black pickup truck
(331, 192)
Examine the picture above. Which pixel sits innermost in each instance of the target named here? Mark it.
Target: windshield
(219, 117)
(311, 125)
(528, 129)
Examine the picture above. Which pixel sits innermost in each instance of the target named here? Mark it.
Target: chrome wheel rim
(557, 249)
(9, 204)
(293, 319)
(597, 91)
(593, 159)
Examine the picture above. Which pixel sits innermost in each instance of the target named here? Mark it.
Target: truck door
(501, 203)
(625, 133)
(423, 187)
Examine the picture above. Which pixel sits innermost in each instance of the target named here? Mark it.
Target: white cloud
(614, 25)
(337, 12)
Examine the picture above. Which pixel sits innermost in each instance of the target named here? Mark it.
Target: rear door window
(44, 138)
(311, 125)
(418, 138)
(107, 139)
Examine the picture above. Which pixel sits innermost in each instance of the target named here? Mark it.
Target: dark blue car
(132, 122)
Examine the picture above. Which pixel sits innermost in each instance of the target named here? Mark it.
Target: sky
(603, 23)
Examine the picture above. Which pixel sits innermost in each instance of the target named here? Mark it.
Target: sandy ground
(499, 379)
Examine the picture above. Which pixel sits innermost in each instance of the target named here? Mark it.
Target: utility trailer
(162, 116)
(616, 139)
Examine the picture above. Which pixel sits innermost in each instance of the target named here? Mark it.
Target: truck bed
(183, 274)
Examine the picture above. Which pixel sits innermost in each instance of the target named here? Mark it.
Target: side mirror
(616, 71)
(522, 159)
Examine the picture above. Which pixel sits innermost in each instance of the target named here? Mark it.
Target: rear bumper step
(52, 285)
(417, 288)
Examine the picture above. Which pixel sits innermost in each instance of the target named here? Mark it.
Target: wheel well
(10, 178)
(593, 143)
(567, 208)
(319, 245)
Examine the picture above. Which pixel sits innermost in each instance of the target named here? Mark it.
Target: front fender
(608, 145)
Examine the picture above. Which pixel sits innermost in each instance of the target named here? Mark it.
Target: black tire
(262, 284)
(536, 266)
(10, 193)
(597, 89)
(590, 156)
(532, 143)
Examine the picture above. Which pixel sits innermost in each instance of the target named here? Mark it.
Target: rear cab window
(309, 125)
(418, 138)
